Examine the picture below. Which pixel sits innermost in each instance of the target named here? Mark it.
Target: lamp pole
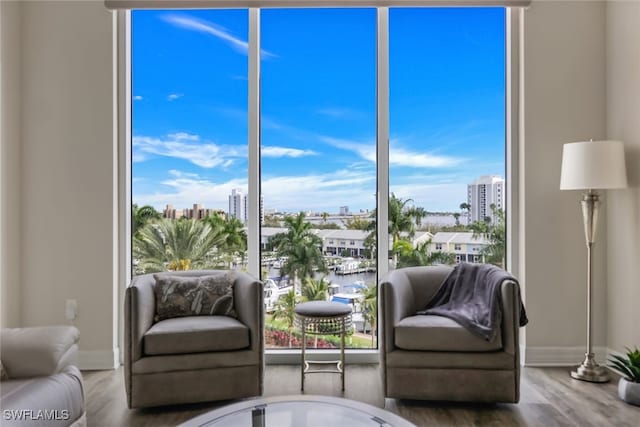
(589, 370)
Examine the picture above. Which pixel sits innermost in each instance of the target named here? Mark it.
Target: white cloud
(274, 151)
(212, 29)
(320, 192)
(183, 190)
(397, 155)
(174, 96)
(137, 98)
(187, 147)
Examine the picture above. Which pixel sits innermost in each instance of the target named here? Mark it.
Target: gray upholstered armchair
(433, 357)
(194, 358)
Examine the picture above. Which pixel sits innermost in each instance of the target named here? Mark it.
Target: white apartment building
(482, 193)
(238, 205)
(463, 245)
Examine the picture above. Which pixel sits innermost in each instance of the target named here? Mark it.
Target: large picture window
(189, 139)
(447, 135)
(320, 168)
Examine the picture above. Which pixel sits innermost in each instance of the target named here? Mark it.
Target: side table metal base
(330, 319)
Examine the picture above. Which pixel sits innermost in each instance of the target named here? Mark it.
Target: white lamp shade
(593, 165)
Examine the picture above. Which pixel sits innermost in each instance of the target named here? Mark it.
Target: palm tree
(370, 309)
(285, 309)
(315, 290)
(175, 244)
(402, 219)
(301, 247)
(142, 216)
(325, 215)
(495, 233)
(235, 237)
(456, 215)
(420, 255)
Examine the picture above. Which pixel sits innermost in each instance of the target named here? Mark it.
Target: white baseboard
(97, 360)
(561, 356)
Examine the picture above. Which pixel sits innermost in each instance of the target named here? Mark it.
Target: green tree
(357, 223)
(420, 255)
(402, 219)
(174, 244)
(141, 216)
(301, 248)
(325, 215)
(456, 215)
(234, 236)
(285, 310)
(315, 290)
(370, 310)
(495, 233)
(271, 221)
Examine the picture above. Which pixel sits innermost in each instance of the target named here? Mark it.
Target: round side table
(322, 318)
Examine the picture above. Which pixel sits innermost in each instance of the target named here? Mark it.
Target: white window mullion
(122, 131)
(253, 205)
(512, 117)
(382, 139)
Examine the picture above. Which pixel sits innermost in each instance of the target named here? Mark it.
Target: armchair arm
(248, 297)
(510, 299)
(396, 301)
(139, 310)
(38, 351)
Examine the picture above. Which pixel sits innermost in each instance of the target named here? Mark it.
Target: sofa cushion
(195, 334)
(178, 296)
(37, 351)
(437, 333)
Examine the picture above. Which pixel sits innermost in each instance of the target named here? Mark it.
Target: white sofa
(44, 387)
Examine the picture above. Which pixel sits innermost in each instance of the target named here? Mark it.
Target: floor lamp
(591, 166)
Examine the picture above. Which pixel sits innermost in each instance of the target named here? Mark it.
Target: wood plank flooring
(549, 397)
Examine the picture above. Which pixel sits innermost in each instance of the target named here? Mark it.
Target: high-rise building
(239, 208)
(238, 205)
(481, 194)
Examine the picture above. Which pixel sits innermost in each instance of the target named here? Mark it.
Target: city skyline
(318, 106)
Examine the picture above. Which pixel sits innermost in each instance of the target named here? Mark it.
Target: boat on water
(353, 295)
(272, 293)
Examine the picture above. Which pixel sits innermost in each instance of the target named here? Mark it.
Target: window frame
(514, 17)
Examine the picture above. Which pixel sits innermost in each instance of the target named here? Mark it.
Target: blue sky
(318, 77)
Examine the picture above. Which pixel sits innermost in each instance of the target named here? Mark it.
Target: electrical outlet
(71, 309)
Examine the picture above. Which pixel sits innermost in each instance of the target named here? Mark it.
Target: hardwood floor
(549, 397)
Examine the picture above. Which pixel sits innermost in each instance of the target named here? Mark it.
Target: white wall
(564, 101)
(67, 171)
(623, 206)
(10, 165)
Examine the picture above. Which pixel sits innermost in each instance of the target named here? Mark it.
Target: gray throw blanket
(470, 295)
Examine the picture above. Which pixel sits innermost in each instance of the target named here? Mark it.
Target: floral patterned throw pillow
(178, 296)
